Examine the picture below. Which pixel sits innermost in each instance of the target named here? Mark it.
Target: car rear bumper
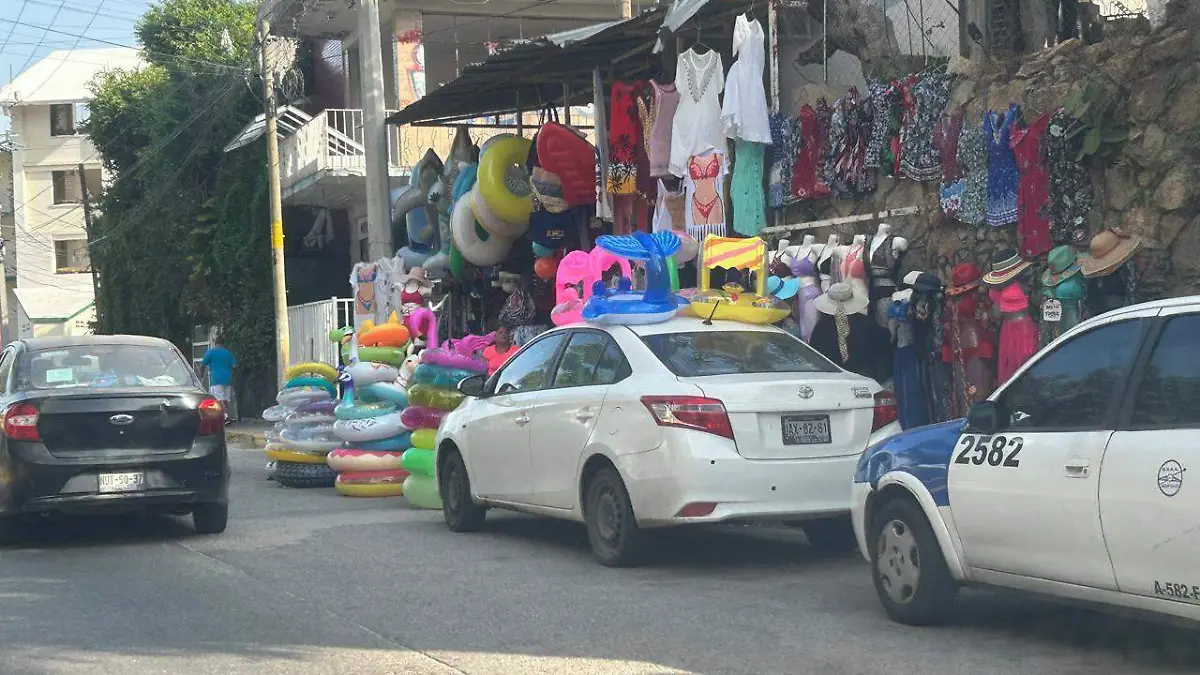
(693, 467)
(38, 481)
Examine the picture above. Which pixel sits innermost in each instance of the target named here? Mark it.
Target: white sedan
(1071, 480)
(628, 428)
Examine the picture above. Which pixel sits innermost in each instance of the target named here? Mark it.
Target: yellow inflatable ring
(292, 456)
(490, 222)
(494, 166)
(370, 489)
(471, 246)
(321, 370)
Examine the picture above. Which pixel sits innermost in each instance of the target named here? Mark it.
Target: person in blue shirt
(218, 364)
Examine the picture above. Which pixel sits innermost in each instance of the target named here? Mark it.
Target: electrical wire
(20, 13)
(73, 48)
(110, 14)
(61, 5)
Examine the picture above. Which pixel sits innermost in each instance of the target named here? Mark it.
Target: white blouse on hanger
(744, 114)
(697, 128)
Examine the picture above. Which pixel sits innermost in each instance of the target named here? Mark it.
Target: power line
(73, 48)
(20, 13)
(86, 10)
(61, 4)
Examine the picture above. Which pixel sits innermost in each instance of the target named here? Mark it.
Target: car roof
(689, 324)
(43, 343)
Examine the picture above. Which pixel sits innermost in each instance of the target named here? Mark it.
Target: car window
(1169, 395)
(590, 358)
(529, 370)
(1072, 387)
(103, 366)
(6, 362)
(702, 353)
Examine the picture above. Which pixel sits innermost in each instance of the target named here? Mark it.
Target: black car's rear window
(103, 365)
(703, 353)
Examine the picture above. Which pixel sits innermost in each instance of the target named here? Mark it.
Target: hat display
(841, 296)
(1070, 288)
(1061, 263)
(927, 283)
(784, 289)
(1107, 251)
(1010, 299)
(553, 230)
(965, 277)
(1006, 266)
(416, 275)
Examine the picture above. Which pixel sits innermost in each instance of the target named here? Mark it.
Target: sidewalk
(249, 431)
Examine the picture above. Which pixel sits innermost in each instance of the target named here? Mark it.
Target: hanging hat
(1070, 288)
(841, 295)
(1006, 266)
(553, 230)
(547, 188)
(784, 289)
(1108, 251)
(1062, 262)
(926, 283)
(1010, 298)
(965, 277)
(415, 275)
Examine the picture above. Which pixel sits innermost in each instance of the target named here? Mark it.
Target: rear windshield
(103, 365)
(700, 354)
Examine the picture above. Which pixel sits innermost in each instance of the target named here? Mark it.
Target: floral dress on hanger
(945, 139)
(1033, 193)
(919, 157)
(782, 154)
(1070, 191)
(1003, 176)
(973, 162)
(624, 137)
(809, 167)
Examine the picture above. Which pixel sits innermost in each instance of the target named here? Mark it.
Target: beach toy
(364, 373)
(434, 397)
(475, 244)
(497, 165)
(371, 483)
(460, 354)
(390, 392)
(357, 411)
(398, 443)
(386, 335)
(623, 305)
(565, 153)
(355, 459)
(419, 462)
(310, 382)
(423, 439)
(322, 407)
(283, 453)
(392, 356)
(313, 369)
(417, 417)
(421, 492)
(276, 413)
(318, 444)
(370, 428)
(584, 270)
(294, 398)
(731, 302)
(423, 322)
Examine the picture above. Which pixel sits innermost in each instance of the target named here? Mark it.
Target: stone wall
(1152, 189)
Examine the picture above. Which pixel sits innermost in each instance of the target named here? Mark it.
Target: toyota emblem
(805, 392)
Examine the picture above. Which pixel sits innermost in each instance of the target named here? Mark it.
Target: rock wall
(1151, 189)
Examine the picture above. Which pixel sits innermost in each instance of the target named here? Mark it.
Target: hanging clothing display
(624, 137)
(846, 173)
(1062, 293)
(744, 111)
(604, 209)
(658, 118)
(926, 311)
(973, 162)
(705, 185)
(810, 287)
(1002, 171)
(746, 188)
(1111, 272)
(842, 333)
(696, 128)
(883, 145)
(910, 395)
(884, 272)
(1033, 188)
(919, 157)
(807, 176)
(1070, 190)
(669, 209)
(782, 153)
(945, 138)
(1018, 332)
(968, 341)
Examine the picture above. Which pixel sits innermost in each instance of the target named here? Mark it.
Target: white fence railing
(309, 326)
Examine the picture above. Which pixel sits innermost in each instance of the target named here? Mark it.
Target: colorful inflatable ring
(470, 239)
(315, 421)
(309, 381)
(397, 443)
(291, 456)
(391, 356)
(748, 308)
(492, 182)
(422, 492)
(316, 445)
(360, 410)
(368, 372)
(448, 358)
(385, 335)
(423, 439)
(315, 369)
(276, 413)
(440, 376)
(416, 417)
(388, 391)
(370, 428)
(493, 224)
(371, 484)
(353, 460)
(423, 322)
(419, 462)
(429, 396)
(322, 407)
(292, 398)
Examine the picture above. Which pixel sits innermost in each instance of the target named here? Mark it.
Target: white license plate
(805, 429)
(121, 482)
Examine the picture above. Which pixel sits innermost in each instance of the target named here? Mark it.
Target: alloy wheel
(899, 561)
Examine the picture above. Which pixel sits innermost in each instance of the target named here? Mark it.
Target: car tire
(612, 528)
(908, 568)
(210, 518)
(298, 475)
(458, 510)
(831, 535)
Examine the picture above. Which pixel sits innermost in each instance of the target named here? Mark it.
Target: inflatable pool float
(323, 407)
(312, 420)
(459, 354)
(572, 158)
(398, 443)
(581, 269)
(624, 306)
(313, 369)
(440, 376)
(276, 413)
(492, 223)
(422, 493)
(370, 428)
(417, 417)
(313, 443)
(496, 165)
(311, 382)
(428, 396)
(291, 398)
(391, 356)
(422, 322)
(357, 410)
(385, 335)
(355, 459)
(732, 302)
(423, 439)
(371, 483)
(419, 462)
(364, 373)
(474, 243)
(282, 455)
(390, 392)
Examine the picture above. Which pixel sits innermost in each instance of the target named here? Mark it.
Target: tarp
(63, 76)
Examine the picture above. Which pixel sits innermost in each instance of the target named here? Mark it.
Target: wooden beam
(846, 220)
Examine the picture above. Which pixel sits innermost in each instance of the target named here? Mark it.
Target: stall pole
(825, 38)
(520, 117)
(379, 204)
(566, 104)
(773, 45)
(279, 278)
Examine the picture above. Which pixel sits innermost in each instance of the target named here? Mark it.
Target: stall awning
(531, 74)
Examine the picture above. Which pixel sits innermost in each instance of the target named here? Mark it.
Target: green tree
(181, 236)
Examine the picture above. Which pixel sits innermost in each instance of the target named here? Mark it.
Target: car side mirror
(983, 418)
(473, 386)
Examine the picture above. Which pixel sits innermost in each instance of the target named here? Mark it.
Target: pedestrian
(218, 364)
(500, 351)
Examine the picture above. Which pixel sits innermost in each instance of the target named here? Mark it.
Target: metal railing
(309, 326)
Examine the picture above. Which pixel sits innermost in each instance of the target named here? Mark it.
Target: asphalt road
(307, 582)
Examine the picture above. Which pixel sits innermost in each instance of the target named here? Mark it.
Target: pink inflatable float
(422, 321)
(581, 268)
(459, 353)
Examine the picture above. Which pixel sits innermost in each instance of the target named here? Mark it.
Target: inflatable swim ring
(368, 372)
(419, 462)
(371, 484)
(319, 443)
(315, 369)
(277, 455)
(474, 244)
(357, 410)
(491, 223)
(276, 413)
(370, 428)
(311, 382)
(422, 492)
(353, 459)
(416, 417)
(423, 439)
(390, 392)
(584, 269)
(391, 356)
(385, 335)
(428, 396)
(323, 407)
(440, 376)
(313, 420)
(459, 354)
(292, 398)
(398, 443)
(623, 306)
(496, 165)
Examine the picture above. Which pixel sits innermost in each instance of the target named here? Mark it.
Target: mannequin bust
(826, 264)
(853, 263)
(887, 251)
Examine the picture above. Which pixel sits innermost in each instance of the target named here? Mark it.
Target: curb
(255, 439)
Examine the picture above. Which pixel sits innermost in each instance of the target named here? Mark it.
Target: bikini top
(803, 267)
(702, 172)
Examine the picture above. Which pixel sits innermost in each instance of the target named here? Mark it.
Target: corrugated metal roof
(288, 120)
(63, 76)
(46, 303)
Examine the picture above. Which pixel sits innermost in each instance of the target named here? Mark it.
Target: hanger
(699, 42)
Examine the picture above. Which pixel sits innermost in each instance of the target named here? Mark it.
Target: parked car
(108, 424)
(628, 428)
(1070, 480)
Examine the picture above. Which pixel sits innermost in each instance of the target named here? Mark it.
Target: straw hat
(1061, 263)
(1006, 266)
(1108, 251)
(841, 296)
(965, 277)
(415, 275)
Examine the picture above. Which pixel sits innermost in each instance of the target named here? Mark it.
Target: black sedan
(108, 424)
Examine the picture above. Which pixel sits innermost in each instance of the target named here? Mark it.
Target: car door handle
(522, 420)
(1078, 468)
(584, 415)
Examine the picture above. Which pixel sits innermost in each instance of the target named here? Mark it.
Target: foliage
(1101, 124)
(181, 234)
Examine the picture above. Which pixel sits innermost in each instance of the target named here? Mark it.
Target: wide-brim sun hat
(965, 277)
(1010, 299)
(841, 295)
(784, 289)
(1107, 251)
(1061, 264)
(1006, 266)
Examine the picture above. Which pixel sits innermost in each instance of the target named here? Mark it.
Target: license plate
(805, 429)
(121, 482)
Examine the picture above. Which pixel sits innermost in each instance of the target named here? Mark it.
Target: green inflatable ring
(362, 410)
(392, 356)
(422, 492)
(458, 266)
(418, 462)
(309, 381)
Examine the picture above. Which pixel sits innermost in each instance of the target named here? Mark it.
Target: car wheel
(210, 518)
(907, 566)
(460, 513)
(298, 475)
(832, 535)
(612, 529)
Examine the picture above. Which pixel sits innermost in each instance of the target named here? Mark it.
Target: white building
(50, 290)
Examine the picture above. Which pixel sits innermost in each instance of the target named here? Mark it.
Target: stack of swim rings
(489, 218)
(303, 433)
(433, 393)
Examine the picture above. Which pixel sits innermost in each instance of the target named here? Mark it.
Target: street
(310, 582)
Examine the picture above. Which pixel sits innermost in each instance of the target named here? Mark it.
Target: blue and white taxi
(1071, 480)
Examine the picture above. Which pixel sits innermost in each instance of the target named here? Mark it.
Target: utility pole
(87, 228)
(379, 205)
(272, 133)
(626, 9)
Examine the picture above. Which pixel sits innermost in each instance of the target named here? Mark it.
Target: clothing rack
(845, 220)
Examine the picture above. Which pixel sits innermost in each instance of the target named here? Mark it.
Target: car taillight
(885, 410)
(212, 417)
(20, 422)
(690, 412)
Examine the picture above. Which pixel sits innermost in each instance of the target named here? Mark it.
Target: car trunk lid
(82, 424)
